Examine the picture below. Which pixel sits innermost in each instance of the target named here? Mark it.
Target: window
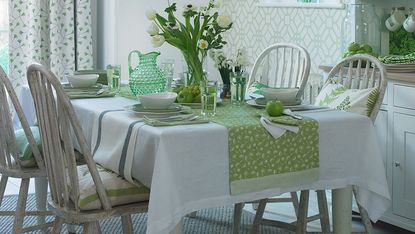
(301, 3)
(4, 35)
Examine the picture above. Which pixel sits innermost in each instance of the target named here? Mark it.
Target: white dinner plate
(301, 107)
(175, 109)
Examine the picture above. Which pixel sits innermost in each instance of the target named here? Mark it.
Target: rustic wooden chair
(58, 126)
(356, 72)
(10, 165)
(282, 65)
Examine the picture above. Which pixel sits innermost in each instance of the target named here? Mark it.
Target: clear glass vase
(362, 25)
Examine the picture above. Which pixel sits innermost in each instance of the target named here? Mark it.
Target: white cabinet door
(381, 126)
(404, 165)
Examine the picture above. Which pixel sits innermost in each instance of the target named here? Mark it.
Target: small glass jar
(238, 83)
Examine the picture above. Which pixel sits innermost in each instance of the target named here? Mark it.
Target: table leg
(342, 210)
(41, 190)
(178, 229)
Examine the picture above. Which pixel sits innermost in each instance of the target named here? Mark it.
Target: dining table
(187, 167)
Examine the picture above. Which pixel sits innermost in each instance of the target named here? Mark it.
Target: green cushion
(256, 87)
(119, 190)
(25, 153)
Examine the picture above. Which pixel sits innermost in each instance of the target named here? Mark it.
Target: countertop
(407, 77)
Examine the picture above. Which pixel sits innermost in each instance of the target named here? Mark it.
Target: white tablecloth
(187, 166)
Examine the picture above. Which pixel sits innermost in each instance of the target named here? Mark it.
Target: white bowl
(282, 94)
(83, 81)
(157, 100)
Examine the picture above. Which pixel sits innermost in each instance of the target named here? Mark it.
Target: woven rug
(212, 221)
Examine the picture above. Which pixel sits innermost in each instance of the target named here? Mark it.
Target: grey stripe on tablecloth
(101, 116)
(121, 166)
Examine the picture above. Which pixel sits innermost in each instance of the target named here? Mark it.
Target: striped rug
(209, 221)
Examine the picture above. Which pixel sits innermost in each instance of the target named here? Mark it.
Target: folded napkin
(277, 126)
(173, 122)
(88, 94)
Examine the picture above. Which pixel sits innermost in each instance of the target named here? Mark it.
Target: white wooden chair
(356, 72)
(57, 120)
(282, 65)
(10, 165)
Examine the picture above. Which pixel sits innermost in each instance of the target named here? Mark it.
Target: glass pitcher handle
(130, 68)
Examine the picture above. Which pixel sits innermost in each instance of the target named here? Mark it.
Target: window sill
(301, 5)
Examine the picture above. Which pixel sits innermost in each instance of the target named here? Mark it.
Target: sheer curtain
(43, 31)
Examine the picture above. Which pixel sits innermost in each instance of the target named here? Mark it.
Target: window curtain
(43, 31)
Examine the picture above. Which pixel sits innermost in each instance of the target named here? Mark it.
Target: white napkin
(277, 130)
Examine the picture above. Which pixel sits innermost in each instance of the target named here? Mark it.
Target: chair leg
(41, 190)
(57, 225)
(92, 228)
(127, 224)
(303, 212)
(294, 199)
(3, 184)
(258, 216)
(323, 210)
(364, 215)
(21, 206)
(237, 214)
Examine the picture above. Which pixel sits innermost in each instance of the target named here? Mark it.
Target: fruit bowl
(282, 94)
(83, 80)
(157, 100)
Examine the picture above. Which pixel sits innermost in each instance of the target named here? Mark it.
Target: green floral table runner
(257, 161)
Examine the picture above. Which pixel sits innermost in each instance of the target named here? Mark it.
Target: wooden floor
(282, 211)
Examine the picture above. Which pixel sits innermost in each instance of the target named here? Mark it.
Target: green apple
(353, 47)
(274, 108)
(185, 96)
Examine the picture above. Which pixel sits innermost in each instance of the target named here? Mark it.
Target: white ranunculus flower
(203, 44)
(223, 21)
(153, 29)
(151, 14)
(157, 40)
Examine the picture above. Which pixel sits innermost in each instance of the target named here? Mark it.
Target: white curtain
(43, 31)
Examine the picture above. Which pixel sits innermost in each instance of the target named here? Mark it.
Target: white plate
(139, 110)
(293, 108)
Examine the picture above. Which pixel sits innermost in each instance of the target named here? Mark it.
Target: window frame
(335, 4)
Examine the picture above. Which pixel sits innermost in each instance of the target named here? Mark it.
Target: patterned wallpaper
(255, 28)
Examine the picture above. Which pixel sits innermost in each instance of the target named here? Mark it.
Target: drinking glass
(114, 77)
(167, 67)
(238, 82)
(208, 97)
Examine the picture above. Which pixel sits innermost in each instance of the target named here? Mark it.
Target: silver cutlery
(290, 113)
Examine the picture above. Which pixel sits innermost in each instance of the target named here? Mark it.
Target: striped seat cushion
(119, 191)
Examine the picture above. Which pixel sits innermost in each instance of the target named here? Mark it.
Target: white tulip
(151, 14)
(157, 40)
(224, 21)
(153, 29)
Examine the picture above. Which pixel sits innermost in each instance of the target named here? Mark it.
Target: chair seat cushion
(337, 96)
(25, 153)
(119, 191)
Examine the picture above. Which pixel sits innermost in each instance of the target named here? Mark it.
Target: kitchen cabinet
(395, 126)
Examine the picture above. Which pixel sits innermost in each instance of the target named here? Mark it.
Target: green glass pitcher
(146, 77)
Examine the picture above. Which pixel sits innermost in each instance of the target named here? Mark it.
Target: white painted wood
(403, 198)
(57, 121)
(178, 229)
(403, 96)
(342, 210)
(10, 165)
(282, 65)
(41, 191)
(381, 127)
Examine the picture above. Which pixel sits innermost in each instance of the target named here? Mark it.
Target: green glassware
(146, 77)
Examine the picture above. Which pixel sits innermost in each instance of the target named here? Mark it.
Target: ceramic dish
(157, 100)
(263, 102)
(293, 108)
(83, 80)
(174, 109)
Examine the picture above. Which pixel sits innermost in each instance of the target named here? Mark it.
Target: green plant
(199, 32)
